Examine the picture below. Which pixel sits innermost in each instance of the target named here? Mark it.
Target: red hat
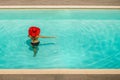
(34, 31)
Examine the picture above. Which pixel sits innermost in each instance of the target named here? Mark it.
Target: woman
(34, 34)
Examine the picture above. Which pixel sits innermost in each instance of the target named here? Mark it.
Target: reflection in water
(36, 48)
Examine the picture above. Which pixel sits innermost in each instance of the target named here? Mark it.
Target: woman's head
(34, 31)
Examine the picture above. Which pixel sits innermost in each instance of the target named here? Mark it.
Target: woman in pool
(34, 34)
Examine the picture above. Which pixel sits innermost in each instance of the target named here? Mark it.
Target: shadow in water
(35, 49)
(46, 44)
(28, 42)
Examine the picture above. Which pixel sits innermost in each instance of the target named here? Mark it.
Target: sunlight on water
(81, 42)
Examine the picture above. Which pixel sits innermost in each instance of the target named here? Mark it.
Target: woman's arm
(47, 37)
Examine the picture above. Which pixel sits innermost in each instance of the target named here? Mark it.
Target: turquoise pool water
(85, 39)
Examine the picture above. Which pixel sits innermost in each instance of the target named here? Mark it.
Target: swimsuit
(35, 44)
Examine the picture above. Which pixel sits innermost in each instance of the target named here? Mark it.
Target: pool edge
(59, 7)
(60, 71)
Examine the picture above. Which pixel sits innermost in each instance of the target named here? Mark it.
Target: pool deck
(59, 74)
(60, 4)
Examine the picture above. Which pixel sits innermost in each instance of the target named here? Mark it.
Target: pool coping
(59, 7)
(59, 71)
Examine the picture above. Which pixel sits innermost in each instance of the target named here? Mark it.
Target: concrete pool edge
(59, 7)
(60, 71)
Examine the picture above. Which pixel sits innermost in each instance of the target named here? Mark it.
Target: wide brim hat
(34, 31)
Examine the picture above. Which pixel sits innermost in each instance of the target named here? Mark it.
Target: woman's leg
(35, 50)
